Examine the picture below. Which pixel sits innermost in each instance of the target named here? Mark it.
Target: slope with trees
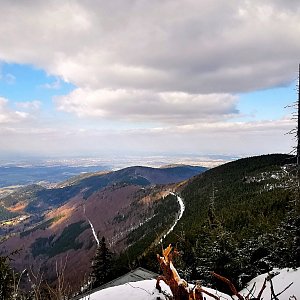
(251, 225)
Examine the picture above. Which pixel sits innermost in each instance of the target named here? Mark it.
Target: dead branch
(236, 293)
(207, 293)
(251, 291)
(285, 289)
(178, 286)
(35, 280)
(262, 289)
(61, 290)
(273, 296)
(229, 284)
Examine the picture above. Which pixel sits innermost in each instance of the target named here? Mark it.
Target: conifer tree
(102, 265)
(6, 279)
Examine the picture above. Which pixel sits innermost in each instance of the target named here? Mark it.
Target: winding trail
(182, 208)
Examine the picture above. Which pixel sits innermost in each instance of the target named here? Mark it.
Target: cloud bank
(222, 138)
(189, 46)
(141, 105)
(170, 63)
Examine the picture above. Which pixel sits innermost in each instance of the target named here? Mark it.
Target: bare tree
(61, 290)
(298, 121)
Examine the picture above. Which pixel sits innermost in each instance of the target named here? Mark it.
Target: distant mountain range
(48, 223)
(24, 175)
(36, 198)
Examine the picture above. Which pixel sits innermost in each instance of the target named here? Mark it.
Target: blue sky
(21, 83)
(139, 78)
(269, 104)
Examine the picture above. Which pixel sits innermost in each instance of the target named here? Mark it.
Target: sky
(139, 77)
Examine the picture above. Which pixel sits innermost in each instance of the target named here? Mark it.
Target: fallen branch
(262, 289)
(251, 291)
(229, 284)
(178, 286)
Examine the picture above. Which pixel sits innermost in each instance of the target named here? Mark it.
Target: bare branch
(285, 289)
(262, 289)
(229, 284)
(251, 291)
(273, 296)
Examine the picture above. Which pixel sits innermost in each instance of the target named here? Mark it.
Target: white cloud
(190, 46)
(8, 115)
(7, 78)
(55, 85)
(29, 105)
(24, 111)
(143, 105)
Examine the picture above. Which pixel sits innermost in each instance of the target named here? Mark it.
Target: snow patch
(282, 279)
(92, 227)
(182, 208)
(143, 290)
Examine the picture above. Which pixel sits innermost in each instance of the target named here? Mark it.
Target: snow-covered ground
(145, 290)
(281, 281)
(141, 290)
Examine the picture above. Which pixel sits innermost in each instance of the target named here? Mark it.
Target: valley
(238, 215)
(51, 224)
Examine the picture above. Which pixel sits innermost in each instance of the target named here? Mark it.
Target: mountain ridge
(119, 204)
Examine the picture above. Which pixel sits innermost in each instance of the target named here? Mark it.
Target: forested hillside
(241, 219)
(246, 196)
